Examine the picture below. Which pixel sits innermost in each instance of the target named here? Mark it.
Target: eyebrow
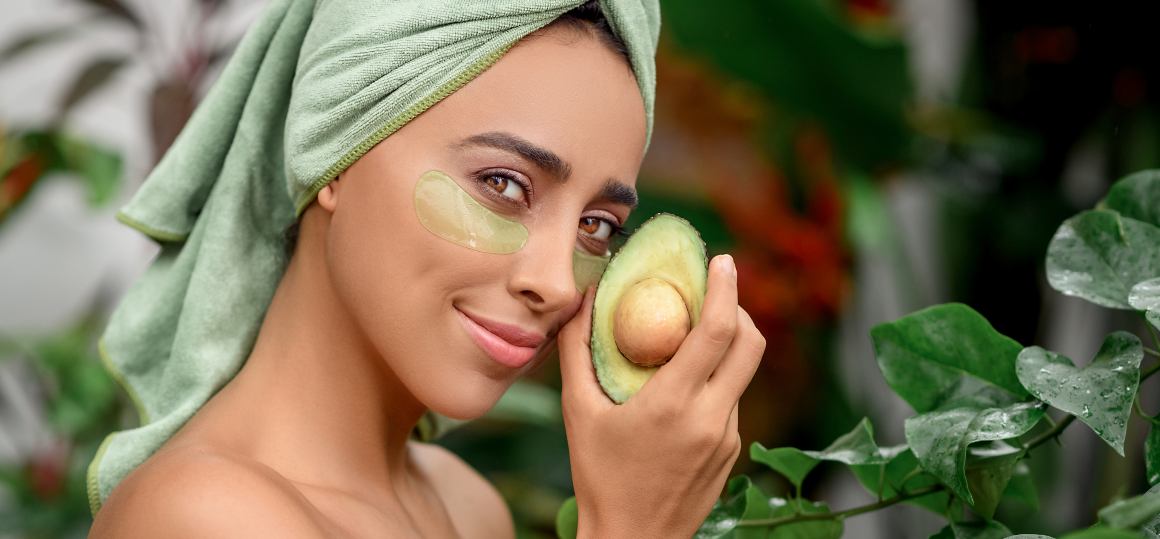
(613, 190)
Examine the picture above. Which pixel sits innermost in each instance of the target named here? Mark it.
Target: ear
(328, 195)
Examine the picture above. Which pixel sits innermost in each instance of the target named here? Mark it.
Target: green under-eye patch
(446, 210)
(587, 269)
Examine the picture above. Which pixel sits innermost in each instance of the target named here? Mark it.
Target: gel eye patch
(587, 269)
(447, 211)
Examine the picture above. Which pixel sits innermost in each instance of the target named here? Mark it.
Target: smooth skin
(365, 333)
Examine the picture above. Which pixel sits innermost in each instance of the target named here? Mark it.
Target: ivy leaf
(1152, 453)
(973, 530)
(943, 351)
(1137, 196)
(1132, 513)
(1022, 487)
(567, 519)
(1100, 394)
(1145, 296)
(886, 481)
(726, 512)
(989, 469)
(1099, 255)
(792, 463)
(856, 447)
(940, 439)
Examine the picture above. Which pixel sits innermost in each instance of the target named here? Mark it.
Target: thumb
(580, 387)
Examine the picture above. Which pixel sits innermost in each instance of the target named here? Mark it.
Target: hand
(653, 466)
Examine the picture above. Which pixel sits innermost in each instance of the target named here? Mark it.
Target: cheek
(379, 259)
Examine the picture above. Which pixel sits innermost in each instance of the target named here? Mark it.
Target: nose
(542, 276)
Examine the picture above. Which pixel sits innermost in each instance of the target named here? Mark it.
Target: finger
(703, 348)
(740, 363)
(579, 383)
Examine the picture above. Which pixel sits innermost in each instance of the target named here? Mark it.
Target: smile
(507, 345)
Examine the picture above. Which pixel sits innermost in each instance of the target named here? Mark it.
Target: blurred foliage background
(860, 158)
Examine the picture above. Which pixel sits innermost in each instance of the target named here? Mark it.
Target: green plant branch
(1151, 351)
(1152, 331)
(1140, 411)
(1051, 434)
(840, 515)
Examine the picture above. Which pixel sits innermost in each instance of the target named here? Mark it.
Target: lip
(508, 345)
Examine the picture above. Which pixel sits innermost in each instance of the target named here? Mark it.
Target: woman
(395, 303)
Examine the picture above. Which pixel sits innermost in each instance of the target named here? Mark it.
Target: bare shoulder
(476, 507)
(194, 491)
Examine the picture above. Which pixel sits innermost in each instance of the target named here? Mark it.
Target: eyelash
(481, 178)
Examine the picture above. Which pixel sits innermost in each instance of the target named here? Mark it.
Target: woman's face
(550, 137)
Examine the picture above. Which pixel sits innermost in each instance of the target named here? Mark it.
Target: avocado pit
(650, 322)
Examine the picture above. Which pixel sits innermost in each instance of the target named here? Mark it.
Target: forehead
(562, 89)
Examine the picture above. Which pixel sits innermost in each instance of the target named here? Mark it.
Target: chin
(466, 399)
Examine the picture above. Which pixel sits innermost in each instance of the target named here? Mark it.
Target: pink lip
(507, 345)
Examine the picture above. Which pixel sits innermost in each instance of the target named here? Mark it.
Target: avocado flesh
(668, 248)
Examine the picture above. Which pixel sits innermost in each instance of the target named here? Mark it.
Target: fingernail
(728, 265)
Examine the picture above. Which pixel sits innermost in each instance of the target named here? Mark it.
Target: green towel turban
(312, 87)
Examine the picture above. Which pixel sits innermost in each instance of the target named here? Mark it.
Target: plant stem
(1149, 372)
(788, 519)
(1151, 351)
(1051, 433)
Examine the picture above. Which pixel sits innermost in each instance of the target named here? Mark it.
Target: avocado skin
(665, 247)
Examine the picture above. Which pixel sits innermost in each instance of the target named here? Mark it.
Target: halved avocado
(667, 248)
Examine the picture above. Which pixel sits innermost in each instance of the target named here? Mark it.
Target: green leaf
(942, 352)
(817, 529)
(886, 481)
(989, 469)
(1099, 255)
(740, 494)
(940, 439)
(1136, 196)
(100, 169)
(1132, 513)
(973, 530)
(1145, 296)
(1152, 453)
(1030, 536)
(567, 519)
(792, 463)
(1100, 394)
(857, 447)
(1022, 487)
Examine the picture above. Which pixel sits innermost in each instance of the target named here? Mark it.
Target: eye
(595, 234)
(597, 228)
(505, 186)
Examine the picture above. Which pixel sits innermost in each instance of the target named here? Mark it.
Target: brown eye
(589, 225)
(506, 187)
(596, 228)
(496, 182)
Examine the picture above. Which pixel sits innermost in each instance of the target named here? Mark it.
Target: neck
(314, 400)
